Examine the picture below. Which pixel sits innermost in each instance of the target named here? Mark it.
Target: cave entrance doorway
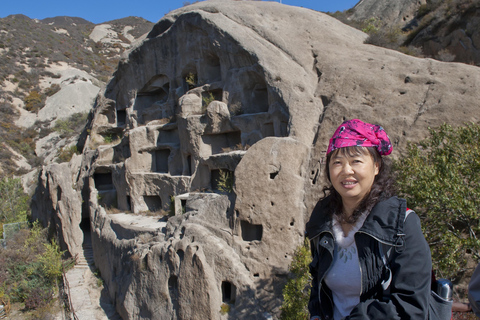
(85, 225)
(87, 234)
(228, 292)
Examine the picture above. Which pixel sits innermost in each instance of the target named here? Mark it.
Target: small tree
(225, 181)
(191, 80)
(296, 292)
(206, 100)
(440, 179)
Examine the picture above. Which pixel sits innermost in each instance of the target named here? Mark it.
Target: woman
(351, 228)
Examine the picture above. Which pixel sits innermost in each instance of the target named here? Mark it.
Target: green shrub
(440, 179)
(14, 203)
(63, 127)
(34, 101)
(109, 138)
(69, 127)
(224, 308)
(191, 80)
(30, 268)
(206, 100)
(391, 37)
(98, 275)
(67, 153)
(225, 181)
(371, 25)
(50, 91)
(51, 260)
(296, 292)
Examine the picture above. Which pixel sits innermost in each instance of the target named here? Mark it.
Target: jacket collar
(320, 220)
(385, 221)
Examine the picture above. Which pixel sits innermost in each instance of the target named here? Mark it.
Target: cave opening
(121, 117)
(251, 232)
(103, 181)
(161, 160)
(228, 292)
(154, 203)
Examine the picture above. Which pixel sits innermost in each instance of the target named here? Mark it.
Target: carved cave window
(103, 181)
(223, 141)
(268, 130)
(212, 69)
(121, 117)
(161, 160)
(251, 232)
(154, 203)
(147, 99)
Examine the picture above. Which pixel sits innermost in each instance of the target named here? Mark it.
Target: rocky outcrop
(446, 31)
(230, 89)
(451, 33)
(390, 12)
(58, 205)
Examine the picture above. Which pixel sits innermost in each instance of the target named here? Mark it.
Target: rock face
(453, 38)
(60, 205)
(391, 12)
(220, 88)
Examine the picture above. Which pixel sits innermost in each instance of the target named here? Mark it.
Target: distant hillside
(66, 21)
(443, 30)
(31, 51)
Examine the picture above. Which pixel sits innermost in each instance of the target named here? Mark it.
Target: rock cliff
(243, 89)
(391, 12)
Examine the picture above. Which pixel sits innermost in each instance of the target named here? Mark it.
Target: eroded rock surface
(244, 88)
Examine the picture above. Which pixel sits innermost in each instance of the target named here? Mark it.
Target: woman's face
(352, 176)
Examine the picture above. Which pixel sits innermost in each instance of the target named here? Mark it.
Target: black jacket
(410, 264)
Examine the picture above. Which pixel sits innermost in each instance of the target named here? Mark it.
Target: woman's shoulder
(319, 218)
(393, 213)
(393, 204)
(385, 220)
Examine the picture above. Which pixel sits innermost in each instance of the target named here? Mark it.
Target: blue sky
(98, 11)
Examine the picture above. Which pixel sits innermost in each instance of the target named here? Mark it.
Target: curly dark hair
(383, 185)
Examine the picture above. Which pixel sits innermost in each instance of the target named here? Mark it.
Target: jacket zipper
(329, 267)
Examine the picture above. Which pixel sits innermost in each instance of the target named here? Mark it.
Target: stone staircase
(85, 258)
(85, 295)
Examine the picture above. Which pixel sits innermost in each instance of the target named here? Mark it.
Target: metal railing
(3, 313)
(9, 229)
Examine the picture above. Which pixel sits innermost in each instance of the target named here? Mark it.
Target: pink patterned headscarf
(358, 133)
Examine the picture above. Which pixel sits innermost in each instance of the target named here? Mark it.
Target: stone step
(85, 259)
